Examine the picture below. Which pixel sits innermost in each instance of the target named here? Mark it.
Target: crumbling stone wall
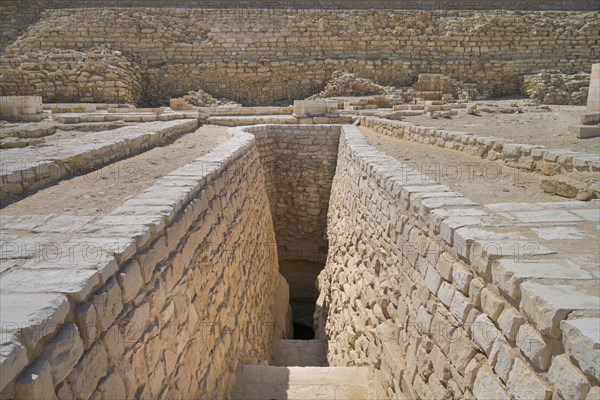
(253, 55)
(299, 164)
(554, 87)
(96, 75)
(426, 308)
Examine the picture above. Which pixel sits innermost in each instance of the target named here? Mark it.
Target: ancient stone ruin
(338, 199)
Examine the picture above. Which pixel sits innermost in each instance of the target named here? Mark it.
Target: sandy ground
(548, 128)
(103, 190)
(482, 181)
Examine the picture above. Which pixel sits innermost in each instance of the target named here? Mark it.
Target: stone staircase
(298, 373)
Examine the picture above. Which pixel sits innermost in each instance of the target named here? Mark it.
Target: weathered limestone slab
(568, 380)
(76, 283)
(305, 108)
(32, 317)
(548, 304)
(509, 273)
(13, 359)
(21, 108)
(581, 338)
(61, 354)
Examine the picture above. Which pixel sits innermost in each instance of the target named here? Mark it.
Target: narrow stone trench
(299, 165)
(301, 277)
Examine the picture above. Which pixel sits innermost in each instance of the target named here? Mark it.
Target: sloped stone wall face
(188, 287)
(299, 164)
(397, 294)
(254, 55)
(181, 305)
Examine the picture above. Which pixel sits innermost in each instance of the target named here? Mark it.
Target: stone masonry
(253, 56)
(443, 298)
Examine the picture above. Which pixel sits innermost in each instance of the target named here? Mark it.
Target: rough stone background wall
(254, 55)
(93, 75)
(552, 87)
(299, 164)
(181, 313)
(426, 319)
(17, 15)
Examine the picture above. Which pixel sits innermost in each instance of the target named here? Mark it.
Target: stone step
(273, 382)
(299, 353)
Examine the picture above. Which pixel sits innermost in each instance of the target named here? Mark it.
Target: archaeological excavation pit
(177, 224)
(291, 259)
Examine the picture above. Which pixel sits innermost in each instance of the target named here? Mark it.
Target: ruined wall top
(326, 4)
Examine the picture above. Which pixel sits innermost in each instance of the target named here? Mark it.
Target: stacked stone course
(254, 56)
(443, 300)
(299, 164)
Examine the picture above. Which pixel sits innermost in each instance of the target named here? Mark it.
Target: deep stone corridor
(302, 276)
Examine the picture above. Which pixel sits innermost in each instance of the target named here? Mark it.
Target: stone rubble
(555, 87)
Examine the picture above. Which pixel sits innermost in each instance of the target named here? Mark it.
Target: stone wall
(422, 286)
(253, 55)
(527, 157)
(299, 164)
(94, 75)
(17, 15)
(185, 288)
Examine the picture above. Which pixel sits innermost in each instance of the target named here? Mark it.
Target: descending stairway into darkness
(299, 371)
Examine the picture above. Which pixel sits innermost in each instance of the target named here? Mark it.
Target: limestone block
(460, 306)
(32, 316)
(594, 393)
(501, 357)
(303, 108)
(432, 279)
(62, 353)
(444, 266)
(64, 392)
(525, 384)
(568, 381)
(491, 303)
(532, 344)
(585, 131)
(581, 338)
(134, 324)
(461, 350)
(131, 281)
(122, 248)
(112, 387)
(547, 305)
(475, 288)
(484, 333)
(85, 317)
(13, 359)
(81, 257)
(510, 321)
(509, 274)
(75, 283)
(36, 383)
(461, 277)
(108, 304)
(488, 387)
(88, 372)
(446, 293)
(149, 260)
(113, 343)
